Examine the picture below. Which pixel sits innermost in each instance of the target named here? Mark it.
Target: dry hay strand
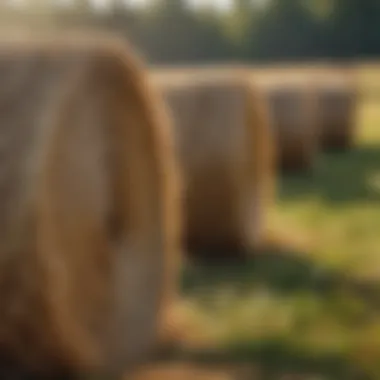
(90, 206)
(226, 155)
(337, 104)
(293, 108)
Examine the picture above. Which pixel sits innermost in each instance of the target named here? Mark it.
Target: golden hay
(337, 100)
(226, 155)
(89, 196)
(293, 107)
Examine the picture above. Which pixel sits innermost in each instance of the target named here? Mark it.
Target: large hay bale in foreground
(226, 154)
(293, 107)
(89, 216)
(337, 101)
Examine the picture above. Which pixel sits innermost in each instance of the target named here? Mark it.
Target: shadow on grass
(284, 273)
(280, 271)
(339, 177)
(274, 358)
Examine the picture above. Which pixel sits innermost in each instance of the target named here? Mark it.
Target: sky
(223, 4)
(220, 4)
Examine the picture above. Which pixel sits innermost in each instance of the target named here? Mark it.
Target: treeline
(168, 31)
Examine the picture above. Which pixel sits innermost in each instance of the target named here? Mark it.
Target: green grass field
(311, 311)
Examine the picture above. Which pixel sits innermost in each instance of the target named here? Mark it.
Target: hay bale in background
(226, 155)
(89, 221)
(337, 100)
(293, 107)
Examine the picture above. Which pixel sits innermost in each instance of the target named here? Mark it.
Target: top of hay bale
(336, 80)
(200, 76)
(57, 43)
(323, 75)
(286, 82)
(197, 69)
(200, 95)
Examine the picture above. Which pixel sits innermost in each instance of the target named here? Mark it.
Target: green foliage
(169, 31)
(286, 29)
(354, 27)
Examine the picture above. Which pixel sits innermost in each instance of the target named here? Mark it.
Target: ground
(312, 312)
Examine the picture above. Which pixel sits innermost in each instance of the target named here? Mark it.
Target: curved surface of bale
(293, 107)
(337, 100)
(226, 154)
(89, 198)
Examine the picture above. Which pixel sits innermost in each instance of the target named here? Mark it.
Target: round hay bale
(90, 207)
(337, 100)
(293, 107)
(226, 153)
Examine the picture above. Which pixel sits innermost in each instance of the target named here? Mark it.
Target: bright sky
(223, 4)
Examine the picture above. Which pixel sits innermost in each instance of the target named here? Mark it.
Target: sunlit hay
(337, 104)
(90, 226)
(293, 107)
(226, 155)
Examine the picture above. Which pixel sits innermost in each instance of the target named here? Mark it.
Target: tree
(354, 28)
(286, 29)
